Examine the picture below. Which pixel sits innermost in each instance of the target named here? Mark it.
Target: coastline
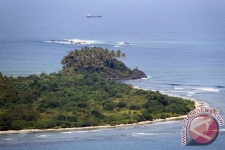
(197, 105)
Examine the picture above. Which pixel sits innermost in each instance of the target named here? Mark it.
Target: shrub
(147, 116)
(108, 106)
(134, 107)
(17, 125)
(97, 114)
(121, 105)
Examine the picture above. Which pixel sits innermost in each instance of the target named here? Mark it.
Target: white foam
(79, 41)
(163, 92)
(136, 87)
(94, 130)
(123, 43)
(178, 88)
(81, 131)
(147, 134)
(178, 91)
(120, 43)
(62, 42)
(42, 135)
(7, 139)
(67, 132)
(165, 122)
(144, 89)
(74, 41)
(48, 41)
(208, 89)
(191, 93)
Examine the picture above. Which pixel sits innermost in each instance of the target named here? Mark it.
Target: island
(85, 93)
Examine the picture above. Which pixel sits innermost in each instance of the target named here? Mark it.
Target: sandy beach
(197, 105)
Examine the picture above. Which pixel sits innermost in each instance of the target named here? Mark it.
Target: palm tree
(113, 53)
(94, 57)
(118, 53)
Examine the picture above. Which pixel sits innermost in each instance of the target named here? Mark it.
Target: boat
(94, 16)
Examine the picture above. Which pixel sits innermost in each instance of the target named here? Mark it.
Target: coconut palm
(94, 57)
(118, 54)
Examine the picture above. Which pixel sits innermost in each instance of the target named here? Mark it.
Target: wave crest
(208, 89)
(148, 134)
(8, 139)
(74, 41)
(178, 88)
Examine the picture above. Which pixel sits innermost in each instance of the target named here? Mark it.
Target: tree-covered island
(83, 93)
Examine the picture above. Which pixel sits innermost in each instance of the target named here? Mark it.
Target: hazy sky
(157, 7)
(192, 14)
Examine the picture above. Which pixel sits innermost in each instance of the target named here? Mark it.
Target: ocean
(178, 44)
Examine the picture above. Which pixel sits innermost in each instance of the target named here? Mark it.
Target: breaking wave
(178, 88)
(43, 136)
(8, 139)
(191, 93)
(90, 42)
(74, 41)
(67, 132)
(148, 134)
(146, 78)
(123, 43)
(137, 87)
(165, 122)
(178, 91)
(126, 43)
(208, 89)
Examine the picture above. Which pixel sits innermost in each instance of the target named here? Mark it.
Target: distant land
(86, 92)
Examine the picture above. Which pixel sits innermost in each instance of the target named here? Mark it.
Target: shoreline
(197, 105)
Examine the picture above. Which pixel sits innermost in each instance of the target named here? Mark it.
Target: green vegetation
(103, 61)
(80, 97)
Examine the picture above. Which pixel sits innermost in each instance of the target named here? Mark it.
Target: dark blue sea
(180, 45)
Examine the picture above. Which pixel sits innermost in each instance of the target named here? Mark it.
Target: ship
(94, 16)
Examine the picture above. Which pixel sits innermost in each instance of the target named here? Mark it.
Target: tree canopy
(83, 98)
(97, 59)
(94, 57)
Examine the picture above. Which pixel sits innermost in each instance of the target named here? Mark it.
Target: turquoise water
(179, 45)
(164, 135)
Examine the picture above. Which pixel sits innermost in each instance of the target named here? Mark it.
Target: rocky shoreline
(114, 75)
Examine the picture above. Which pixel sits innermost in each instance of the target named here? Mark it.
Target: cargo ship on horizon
(94, 16)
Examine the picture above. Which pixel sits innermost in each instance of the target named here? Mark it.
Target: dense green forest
(81, 95)
(97, 59)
